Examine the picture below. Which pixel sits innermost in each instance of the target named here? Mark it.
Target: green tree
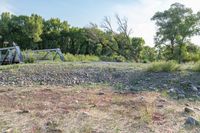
(4, 27)
(53, 30)
(148, 54)
(175, 27)
(34, 27)
(122, 44)
(137, 47)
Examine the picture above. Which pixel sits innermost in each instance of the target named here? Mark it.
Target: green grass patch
(31, 57)
(164, 66)
(9, 67)
(83, 58)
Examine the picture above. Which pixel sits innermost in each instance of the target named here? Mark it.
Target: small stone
(188, 110)
(172, 90)
(194, 88)
(181, 96)
(187, 104)
(180, 91)
(165, 86)
(190, 99)
(10, 130)
(141, 98)
(100, 93)
(162, 100)
(23, 112)
(191, 121)
(160, 105)
(197, 108)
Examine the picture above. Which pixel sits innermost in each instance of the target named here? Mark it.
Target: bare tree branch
(107, 24)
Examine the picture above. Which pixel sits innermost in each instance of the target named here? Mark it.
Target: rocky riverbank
(177, 84)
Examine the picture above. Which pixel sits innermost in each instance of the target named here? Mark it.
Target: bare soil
(91, 109)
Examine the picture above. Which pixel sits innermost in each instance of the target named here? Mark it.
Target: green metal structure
(10, 55)
(13, 55)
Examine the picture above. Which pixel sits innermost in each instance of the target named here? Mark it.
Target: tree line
(175, 27)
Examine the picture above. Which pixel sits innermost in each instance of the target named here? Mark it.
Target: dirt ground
(90, 109)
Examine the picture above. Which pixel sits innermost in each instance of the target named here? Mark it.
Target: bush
(114, 58)
(119, 58)
(28, 56)
(164, 66)
(106, 58)
(196, 67)
(87, 58)
(191, 57)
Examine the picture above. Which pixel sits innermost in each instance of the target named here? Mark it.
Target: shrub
(119, 58)
(114, 58)
(28, 56)
(196, 67)
(164, 66)
(87, 58)
(106, 58)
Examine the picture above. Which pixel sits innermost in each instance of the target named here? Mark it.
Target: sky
(81, 12)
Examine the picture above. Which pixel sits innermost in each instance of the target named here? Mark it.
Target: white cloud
(140, 12)
(5, 6)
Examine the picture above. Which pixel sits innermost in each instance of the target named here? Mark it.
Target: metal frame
(13, 55)
(48, 51)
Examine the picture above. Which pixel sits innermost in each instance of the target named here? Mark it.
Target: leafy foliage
(163, 66)
(196, 67)
(33, 32)
(175, 27)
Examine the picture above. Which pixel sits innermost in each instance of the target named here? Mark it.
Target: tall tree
(35, 27)
(52, 31)
(5, 19)
(175, 27)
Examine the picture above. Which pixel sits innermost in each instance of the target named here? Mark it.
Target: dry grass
(89, 109)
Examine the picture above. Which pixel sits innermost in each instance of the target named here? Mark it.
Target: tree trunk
(172, 48)
(180, 53)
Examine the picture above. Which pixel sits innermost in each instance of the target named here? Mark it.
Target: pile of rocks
(186, 89)
(178, 86)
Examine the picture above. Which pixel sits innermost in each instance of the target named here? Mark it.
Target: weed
(119, 86)
(163, 66)
(147, 113)
(164, 93)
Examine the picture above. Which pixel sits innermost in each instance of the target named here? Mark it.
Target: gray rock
(185, 83)
(191, 121)
(194, 88)
(172, 90)
(165, 86)
(188, 110)
(100, 93)
(180, 91)
(152, 88)
(160, 105)
(181, 96)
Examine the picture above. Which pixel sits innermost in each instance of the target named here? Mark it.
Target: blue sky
(82, 12)
(77, 12)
